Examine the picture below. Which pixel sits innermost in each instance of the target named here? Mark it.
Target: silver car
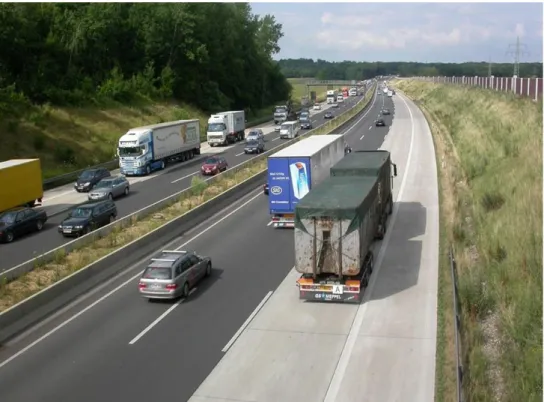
(110, 188)
(255, 134)
(173, 274)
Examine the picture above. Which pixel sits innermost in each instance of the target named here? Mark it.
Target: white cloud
(519, 30)
(344, 20)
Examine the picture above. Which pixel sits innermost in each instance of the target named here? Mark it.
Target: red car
(214, 165)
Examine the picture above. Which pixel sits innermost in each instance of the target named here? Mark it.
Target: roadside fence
(457, 326)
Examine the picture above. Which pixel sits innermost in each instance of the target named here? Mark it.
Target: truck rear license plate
(338, 289)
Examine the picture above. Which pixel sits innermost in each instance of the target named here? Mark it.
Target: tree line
(352, 70)
(212, 55)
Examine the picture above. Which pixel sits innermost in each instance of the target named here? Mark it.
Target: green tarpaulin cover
(362, 163)
(338, 198)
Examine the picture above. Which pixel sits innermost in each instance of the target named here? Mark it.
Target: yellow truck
(20, 183)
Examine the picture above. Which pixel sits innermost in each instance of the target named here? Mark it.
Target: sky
(423, 32)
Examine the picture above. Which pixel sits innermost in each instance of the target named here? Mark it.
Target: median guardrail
(40, 305)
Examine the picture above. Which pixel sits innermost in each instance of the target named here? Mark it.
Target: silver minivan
(290, 129)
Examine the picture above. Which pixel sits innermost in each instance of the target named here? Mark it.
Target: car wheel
(110, 196)
(87, 230)
(39, 225)
(127, 190)
(9, 237)
(185, 293)
(209, 269)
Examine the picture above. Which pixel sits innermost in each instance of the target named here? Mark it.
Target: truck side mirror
(395, 169)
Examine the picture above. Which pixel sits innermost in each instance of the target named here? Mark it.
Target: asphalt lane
(91, 357)
(142, 194)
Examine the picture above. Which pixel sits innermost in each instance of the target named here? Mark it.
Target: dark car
(305, 122)
(328, 115)
(380, 122)
(347, 149)
(214, 165)
(20, 221)
(89, 178)
(254, 146)
(88, 217)
(386, 112)
(265, 189)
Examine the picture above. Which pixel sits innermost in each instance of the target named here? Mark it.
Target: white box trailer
(145, 149)
(226, 127)
(293, 171)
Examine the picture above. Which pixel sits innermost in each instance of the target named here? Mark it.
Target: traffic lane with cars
(142, 194)
(372, 136)
(182, 348)
(93, 354)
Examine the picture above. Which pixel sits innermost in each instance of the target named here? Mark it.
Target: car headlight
(87, 184)
(60, 226)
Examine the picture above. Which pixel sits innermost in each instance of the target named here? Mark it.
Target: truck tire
(390, 206)
(163, 165)
(147, 169)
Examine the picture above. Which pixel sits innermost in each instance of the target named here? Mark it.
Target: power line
(518, 51)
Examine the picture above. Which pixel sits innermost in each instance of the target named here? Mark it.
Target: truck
(226, 127)
(353, 91)
(280, 114)
(143, 150)
(345, 92)
(337, 223)
(294, 170)
(21, 183)
(331, 96)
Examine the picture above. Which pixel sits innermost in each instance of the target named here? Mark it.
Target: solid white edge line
(347, 351)
(72, 318)
(246, 322)
(159, 319)
(240, 154)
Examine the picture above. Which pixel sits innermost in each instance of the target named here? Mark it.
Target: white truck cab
(340, 98)
(289, 129)
(225, 128)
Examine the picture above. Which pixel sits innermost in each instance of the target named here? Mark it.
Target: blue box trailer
(294, 170)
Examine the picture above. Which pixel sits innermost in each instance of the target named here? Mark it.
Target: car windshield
(7, 218)
(105, 184)
(216, 127)
(253, 134)
(285, 126)
(252, 142)
(280, 110)
(304, 115)
(211, 161)
(81, 213)
(87, 174)
(132, 151)
(158, 273)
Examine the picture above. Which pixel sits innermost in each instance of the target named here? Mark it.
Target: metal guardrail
(21, 269)
(457, 326)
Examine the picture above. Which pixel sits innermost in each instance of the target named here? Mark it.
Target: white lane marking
(270, 223)
(240, 154)
(362, 136)
(275, 139)
(69, 320)
(246, 322)
(340, 371)
(184, 177)
(159, 319)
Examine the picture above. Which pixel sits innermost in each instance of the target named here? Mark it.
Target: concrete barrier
(42, 304)
(21, 269)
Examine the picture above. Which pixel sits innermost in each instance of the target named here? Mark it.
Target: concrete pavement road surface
(113, 345)
(143, 192)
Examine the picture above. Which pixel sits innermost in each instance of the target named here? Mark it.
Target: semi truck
(331, 96)
(337, 223)
(280, 114)
(143, 150)
(226, 127)
(21, 183)
(295, 170)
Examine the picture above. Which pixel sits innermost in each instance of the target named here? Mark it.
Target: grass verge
(489, 150)
(300, 89)
(65, 264)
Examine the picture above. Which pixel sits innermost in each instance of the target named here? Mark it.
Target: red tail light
(142, 285)
(171, 286)
(352, 288)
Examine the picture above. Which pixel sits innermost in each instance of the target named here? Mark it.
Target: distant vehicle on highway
(20, 183)
(347, 149)
(380, 122)
(317, 106)
(89, 178)
(19, 222)
(88, 217)
(334, 105)
(305, 121)
(214, 165)
(254, 134)
(386, 112)
(173, 274)
(255, 146)
(110, 188)
(328, 115)
(266, 189)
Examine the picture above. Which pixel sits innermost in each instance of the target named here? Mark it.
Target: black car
(254, 146)
(386, 112)
(20, 221)
(347, 149)
(88, 217)
(265, 189)
(328, 115)
(380, 122)
(88, 179)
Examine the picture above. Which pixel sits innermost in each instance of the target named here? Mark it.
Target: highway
(114, 345)
(143, 192)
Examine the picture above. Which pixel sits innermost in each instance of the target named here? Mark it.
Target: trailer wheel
(390, 206)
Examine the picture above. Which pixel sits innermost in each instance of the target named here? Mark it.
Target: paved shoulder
(297, 351)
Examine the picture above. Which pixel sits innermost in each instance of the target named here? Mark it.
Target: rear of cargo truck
(21, 183)
(295, 170)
